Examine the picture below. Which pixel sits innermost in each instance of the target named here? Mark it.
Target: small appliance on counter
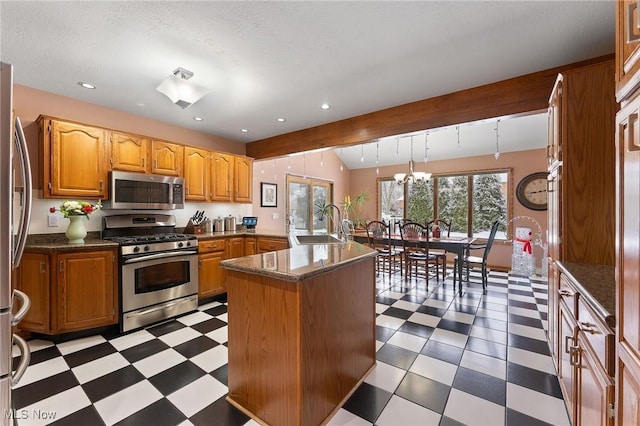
(249, 222)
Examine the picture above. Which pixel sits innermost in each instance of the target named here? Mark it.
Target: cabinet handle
(587, 327)
(143, 161)
(566, 344)
(565, 293)
(61, 266)
(42, 269)
(633, 35)
(574, 355)
(101, 185)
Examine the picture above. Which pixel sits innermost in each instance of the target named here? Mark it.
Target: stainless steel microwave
(141, 191)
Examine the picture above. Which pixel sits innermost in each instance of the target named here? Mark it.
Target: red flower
(52, 210)
(87, 209)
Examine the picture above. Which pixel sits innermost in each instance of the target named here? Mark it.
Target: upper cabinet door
(221, 177)
(196, 174)
(627, 48)
(243, 179)
(554, 142)
(78, 160)
(166, 158)
(129, 153)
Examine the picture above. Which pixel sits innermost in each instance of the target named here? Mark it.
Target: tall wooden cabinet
(196, 174)
(628, 214)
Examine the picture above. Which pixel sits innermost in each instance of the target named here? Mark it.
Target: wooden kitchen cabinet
(210, 274)
(33, 279)
(166, 158)
(196, 174)
(73, 159)
(267, 244)
(221, 177)
(627, 49)
(243, 179)
(235, 247)
(69, 291)
(129, 152)
(250, 246)
(554, 120)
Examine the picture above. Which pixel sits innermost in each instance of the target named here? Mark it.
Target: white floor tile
(408, 306)
(437, 303)
(529, 313)
(408, 341)
(538, 405)
(34, 345)
(526, 331)
(459, 316)
(434, 369)
(379, 344)
(194, 318)
(212, 359)
(208, 306)
(399, 411)
(531, 360)
(79, 344)
(344, 418)
(496, 300)
(42, 370)
(489, 334)
(122, 404)
(130, 340)
(54, 408)
(180, 336)
(380, 308)
(197, 395)
(449, 338)
(496, 315)
(489, 365)
(99, 367)
(385, 376)
(424, 319)
(156, 363)
(389, 322)
(220, 335)
(472, 411)
(223, 317)
(520, 298)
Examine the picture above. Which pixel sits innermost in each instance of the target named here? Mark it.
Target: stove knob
(188, 243)
(147, 248)
(136, 249)
(180, 244)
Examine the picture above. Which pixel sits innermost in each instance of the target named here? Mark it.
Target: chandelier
(402, 178)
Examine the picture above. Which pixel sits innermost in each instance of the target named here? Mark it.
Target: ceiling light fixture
(181, 91)
(280, 120)
(325, 106)
(198, 118)
(86, 85)
(426, 147)
(402, 178)
(362, 153)
(497, 154)
(377, 156)
(458, 130)
(341, 162)
(321, 160)
(244, 130)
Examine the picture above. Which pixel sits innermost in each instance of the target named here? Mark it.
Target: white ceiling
(264, 60)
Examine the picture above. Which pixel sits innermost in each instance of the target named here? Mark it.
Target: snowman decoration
(522, 259)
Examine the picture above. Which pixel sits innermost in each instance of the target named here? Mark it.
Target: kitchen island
(301, 330)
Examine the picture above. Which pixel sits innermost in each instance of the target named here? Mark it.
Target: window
(302, 196)
(471, 201)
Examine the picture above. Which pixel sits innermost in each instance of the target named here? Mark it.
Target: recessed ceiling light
(281, 120)
(325, 106)
(244, 130)
(198, 118)
(86, 85)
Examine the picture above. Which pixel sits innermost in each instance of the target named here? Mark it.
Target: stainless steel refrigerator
(15, 211)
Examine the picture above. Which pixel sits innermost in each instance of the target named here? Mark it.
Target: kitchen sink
(317, 239)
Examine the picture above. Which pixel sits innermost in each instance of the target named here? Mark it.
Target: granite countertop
(58, 242)
(596, 284)
(300, 262)
(279, 233)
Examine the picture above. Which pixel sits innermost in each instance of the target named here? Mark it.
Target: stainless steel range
(158, 268)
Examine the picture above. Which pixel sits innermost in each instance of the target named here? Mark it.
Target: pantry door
(303, 197)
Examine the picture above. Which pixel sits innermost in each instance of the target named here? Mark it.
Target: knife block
(193, 229)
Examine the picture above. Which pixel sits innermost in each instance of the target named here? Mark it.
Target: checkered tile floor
(442, 360)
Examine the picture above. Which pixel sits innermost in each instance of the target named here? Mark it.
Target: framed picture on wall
(268, 194)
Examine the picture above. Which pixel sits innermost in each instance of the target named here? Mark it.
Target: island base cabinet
(298, 349)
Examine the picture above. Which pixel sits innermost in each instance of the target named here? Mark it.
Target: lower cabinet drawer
(208, 246)
(600, 337)
(272, 244)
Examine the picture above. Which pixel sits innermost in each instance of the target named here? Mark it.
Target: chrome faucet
(339, 223)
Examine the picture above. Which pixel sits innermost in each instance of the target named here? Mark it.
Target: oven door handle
(164, 255)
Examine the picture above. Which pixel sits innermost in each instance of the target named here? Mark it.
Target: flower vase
(76, 231)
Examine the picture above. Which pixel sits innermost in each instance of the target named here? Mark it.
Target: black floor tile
(516, 418)
(455, 326)
(521, 292)
(143, 350)
(416, 329)
(425, 392)
(40, 356)
(533, 379)
(160, 413)
(221, 374)
(34, 392)
(383, 333)
(396, 356)
(367, 402)
(219, 413)
(165, 328)
(481, 385)
(430, 310)
(519, 319)
(176, 377)
(447, 421)
(111, 383)
(461, 307)
(217, 310)
(83, 356)
(486, 347)
(87, 416)
(491, 323)
(528, 344)
(490, 306)
(413, 298)
(397, 313)
(209, 325)
(443, 352)
(195, 346)
(524, 305)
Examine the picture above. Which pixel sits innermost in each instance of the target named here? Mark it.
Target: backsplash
(40, 214)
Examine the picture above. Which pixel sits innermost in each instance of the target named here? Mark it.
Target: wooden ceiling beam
(514, 96)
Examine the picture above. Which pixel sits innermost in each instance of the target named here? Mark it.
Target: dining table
(457, 245)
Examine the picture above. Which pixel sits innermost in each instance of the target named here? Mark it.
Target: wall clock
(532, 191)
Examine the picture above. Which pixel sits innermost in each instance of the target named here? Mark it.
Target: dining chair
(415, 246)
(476, 260)
(379, 239)
(445, 231)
